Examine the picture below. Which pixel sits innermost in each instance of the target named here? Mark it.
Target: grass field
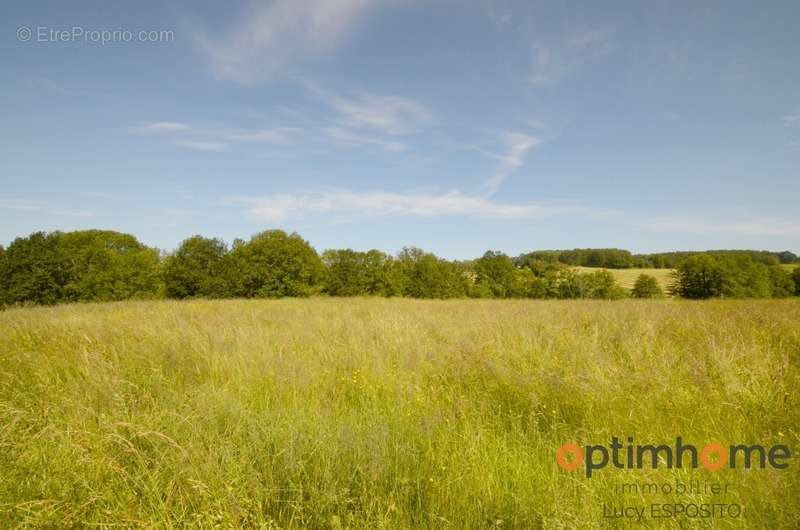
(627, 277)
(385, 413)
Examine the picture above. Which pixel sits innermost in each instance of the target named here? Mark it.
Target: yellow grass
(385, 413)
(627, 277)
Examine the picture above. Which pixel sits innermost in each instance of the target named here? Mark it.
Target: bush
(198, 269)
(274, 264)
(646, 286)
(86, 265)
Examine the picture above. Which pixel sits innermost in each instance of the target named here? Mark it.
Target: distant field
(627, 277)
(385, 413)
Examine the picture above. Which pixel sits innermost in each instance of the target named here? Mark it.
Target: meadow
(385, 413)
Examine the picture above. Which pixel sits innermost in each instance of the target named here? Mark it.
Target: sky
(457, 126)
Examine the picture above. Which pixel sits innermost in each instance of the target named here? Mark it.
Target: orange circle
(721, 461)
(561, 457)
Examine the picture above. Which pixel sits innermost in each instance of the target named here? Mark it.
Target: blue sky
(456, 126)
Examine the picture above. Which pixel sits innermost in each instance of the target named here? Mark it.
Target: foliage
(732, 275)
(424, 275)
(99, 265)
(352, 273)
(274, 264)
(198, 268)
(646, 286)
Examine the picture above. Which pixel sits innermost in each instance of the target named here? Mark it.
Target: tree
(602, 285)
(33, 269)
(494, 275)
(105, 266)
(197, 269)
(781, 283)
(646, 286)
(700, 276)
(351, 273)
(796, 278)
(85, 265)
(274, 264)
(423, 275)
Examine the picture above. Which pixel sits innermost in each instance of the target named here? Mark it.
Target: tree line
(102, 265)
(615, 258)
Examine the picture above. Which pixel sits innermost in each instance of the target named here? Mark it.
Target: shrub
(646, 286)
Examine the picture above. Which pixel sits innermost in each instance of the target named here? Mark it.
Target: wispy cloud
(19, 204)
(387, 114)
(791, 119)
(202, 146)
(517, 145)
(753, 226)
(553, 61)
(40, 207)
(163, 126)
(348, 138)
(279, 207)
(270, 37)
(277, 135)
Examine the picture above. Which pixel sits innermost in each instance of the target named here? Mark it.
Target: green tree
(86, 265)
(495, 275)
(274, 264)
(700, 276)
(105, 266)
(33, 269)
(198, 269)
(602, 285)
(796, 278)
(646, 286)
(351, 273)
(423, 275)
(781, 282)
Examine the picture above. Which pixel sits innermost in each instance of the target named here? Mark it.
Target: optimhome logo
(712, 456)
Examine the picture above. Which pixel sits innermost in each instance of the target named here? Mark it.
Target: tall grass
(383, 413)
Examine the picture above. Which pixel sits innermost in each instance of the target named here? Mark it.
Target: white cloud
(518, 145)
(72, 213)
(791, 119)
(756, 226)
(555, 60)
(36, 206)
(202, 146)
(269, 37)
(163, 126)
(348, 138)
(19, 204)
(387, 114)
(278, 135)
(279, 207)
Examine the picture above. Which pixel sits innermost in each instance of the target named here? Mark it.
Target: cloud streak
(279, 207)
(26, 205)
(392, 115)
(271, 37)
(554, 61)
(754, 226)
(518, 144)
(202, 146)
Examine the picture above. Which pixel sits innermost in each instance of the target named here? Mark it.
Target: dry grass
(627, 277)
(376, 413)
